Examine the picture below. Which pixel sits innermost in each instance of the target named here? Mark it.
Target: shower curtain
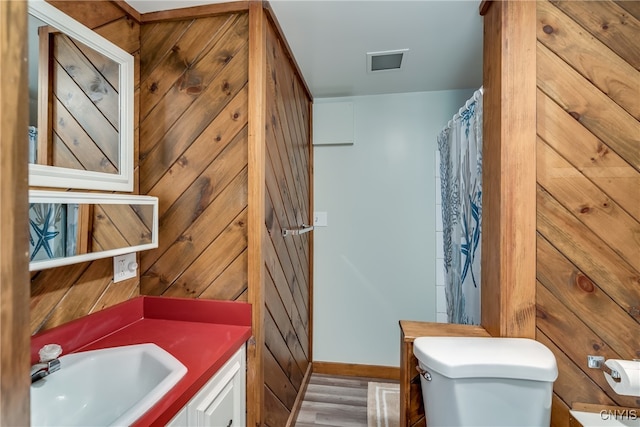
(460, 146)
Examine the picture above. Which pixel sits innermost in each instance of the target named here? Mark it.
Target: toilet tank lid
(477, 357)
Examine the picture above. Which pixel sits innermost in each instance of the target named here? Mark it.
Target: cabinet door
(219, 412)
(180, 419)
(221, 402)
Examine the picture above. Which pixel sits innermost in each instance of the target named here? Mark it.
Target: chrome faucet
(49, 362)
(41, 370)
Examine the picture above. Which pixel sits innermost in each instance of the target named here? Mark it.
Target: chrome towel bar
(296, 232)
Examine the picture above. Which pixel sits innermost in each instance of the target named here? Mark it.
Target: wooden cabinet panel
(221, 401)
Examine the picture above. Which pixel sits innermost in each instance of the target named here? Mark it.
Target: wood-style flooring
(335, 401)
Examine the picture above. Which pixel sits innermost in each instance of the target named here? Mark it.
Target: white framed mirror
(81, 90)
(72, 227)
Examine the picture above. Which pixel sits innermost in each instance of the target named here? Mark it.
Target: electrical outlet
(124, 267)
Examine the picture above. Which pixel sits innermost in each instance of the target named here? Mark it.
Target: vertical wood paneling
(14, 294)
(229, 175)
(193, 139)
(588, 154)
(287, 259)
(586, 103)
(193, 74)
(589, 204)
(63, 294)
(610, 23)
(611, 73)
(256, 396)
(588, 175)
(508, 267)
(195, 128)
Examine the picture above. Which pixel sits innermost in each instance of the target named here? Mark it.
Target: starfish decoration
(43, 236)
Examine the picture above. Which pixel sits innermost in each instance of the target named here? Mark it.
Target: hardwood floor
(335, 401)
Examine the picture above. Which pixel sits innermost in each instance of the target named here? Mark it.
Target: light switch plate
(319, 219)
(124, 267)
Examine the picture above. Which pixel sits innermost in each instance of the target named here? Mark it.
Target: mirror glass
(66, 228)
(80, 105)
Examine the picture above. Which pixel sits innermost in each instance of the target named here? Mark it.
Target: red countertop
(202, 334)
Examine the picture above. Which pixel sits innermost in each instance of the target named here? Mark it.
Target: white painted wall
(375, 262)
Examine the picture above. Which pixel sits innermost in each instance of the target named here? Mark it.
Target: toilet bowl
(472, 381)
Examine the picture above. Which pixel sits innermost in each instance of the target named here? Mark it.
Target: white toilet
(493, 382)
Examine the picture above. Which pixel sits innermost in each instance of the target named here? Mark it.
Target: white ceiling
(330, 40)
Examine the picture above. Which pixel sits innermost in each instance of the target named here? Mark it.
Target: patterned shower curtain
(460, 145)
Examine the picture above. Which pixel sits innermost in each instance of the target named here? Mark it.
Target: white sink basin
(113, 386)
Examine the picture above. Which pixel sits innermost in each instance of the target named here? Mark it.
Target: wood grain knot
(584, 283)
(194, 90)
(182, 161)
(574, 115)
(585, 210)
(548, 29)
(605, 27)
(602, 149)
(540, 314)
(596, 346)
(154, 87)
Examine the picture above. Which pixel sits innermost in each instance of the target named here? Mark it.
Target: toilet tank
(473, 381)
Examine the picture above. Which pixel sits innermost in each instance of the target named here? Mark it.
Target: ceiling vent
(390, 60)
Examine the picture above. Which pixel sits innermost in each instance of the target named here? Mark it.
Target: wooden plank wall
(588, 177)
(62, 294)
(508, 265)
(192, 87)
(193, 155)
(287, 352)
(14, 294)
(194, 140)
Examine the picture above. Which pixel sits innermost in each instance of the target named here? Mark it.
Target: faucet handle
(50, 352)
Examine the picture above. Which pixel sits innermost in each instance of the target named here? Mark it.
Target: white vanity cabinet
(221, 401)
